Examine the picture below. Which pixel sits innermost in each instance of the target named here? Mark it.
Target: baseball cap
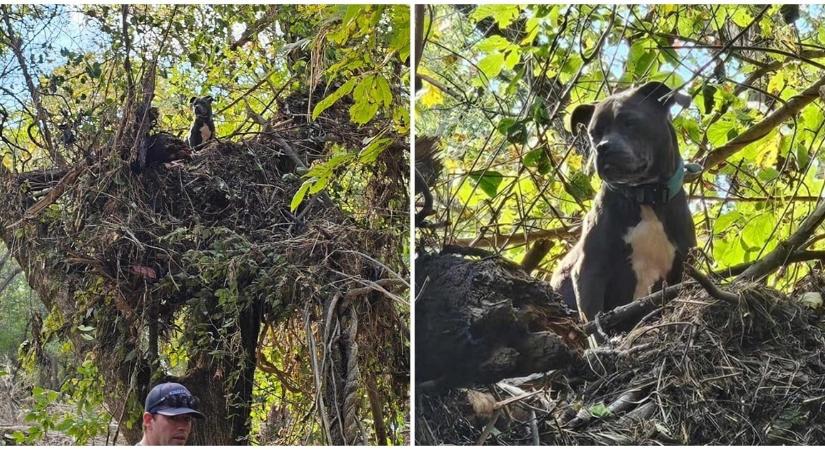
(172, 399)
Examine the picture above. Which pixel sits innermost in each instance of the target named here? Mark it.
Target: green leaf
(579, 186)
(768, 174)
(362, 112)
(330, 100)
(493, 43)
(599, 410)
(365, 106)
(370, 153)
(400, 37)
(503, 14)
(725, 220)
(299, 195)
(719, 131)
(757, 231)
(488, 181)
(777, 82)
(540, 114)
(532, 28)
(538, 158)
(383, 90)
(492, 64)
(741, 16)
(517, 134)
(95, 70)
(352, 12)
(504, 125)
(319, 185)
(513, 57)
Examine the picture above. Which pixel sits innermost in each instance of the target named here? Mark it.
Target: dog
(639, 230)
(203, 128)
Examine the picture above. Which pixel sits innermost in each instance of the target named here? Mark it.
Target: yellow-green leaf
(371, 152)
(503, 14)
(330, 100)
(299, 195)
(493, 43)
(492, 64)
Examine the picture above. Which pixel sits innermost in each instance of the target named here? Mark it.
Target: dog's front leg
(589, 283)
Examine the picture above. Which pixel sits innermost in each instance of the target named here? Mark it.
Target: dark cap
(172, 399)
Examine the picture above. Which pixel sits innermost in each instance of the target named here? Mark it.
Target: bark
(342, 375)
(482, 321)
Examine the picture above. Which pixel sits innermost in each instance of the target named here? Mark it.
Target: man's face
(167, 430)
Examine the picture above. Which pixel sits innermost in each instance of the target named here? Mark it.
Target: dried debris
(701, 372)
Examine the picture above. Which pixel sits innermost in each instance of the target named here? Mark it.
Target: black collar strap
(653, 193)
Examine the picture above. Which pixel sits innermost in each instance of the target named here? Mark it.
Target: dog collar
(654, 193)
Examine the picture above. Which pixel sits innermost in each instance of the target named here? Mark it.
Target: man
(168, 414)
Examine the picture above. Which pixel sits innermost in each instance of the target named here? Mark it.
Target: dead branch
(536, 253)
(265, 365)
(442, 87)
(374, 397)
(468, 251)
(51, 197)
(708, 285)
(637, 308)
(378, 286)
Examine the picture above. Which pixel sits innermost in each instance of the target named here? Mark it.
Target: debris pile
(700, 371)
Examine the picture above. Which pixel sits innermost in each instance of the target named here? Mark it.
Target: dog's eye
(628, 121)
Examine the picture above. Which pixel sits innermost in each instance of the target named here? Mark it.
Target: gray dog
(640, 229)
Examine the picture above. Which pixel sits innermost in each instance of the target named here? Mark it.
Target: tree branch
(520, 238)
(267, 19)
(785, 249)
(796, 257)
(763, 128)
(7, 281)
(16, 45)
(709, 287)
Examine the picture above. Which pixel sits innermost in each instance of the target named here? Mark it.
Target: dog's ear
(192, 100)
(581, 115)
(660, 93)
(209, 99)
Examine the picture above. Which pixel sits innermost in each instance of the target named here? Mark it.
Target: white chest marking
(206, 134)
(651, 251)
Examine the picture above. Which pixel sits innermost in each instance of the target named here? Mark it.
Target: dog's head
(631, 136)
(202, 106)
